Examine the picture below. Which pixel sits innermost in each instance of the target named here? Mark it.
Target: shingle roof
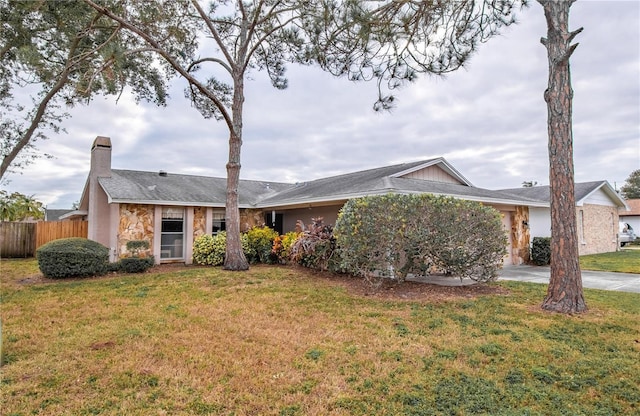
(379, 181)
(542, 193)
(55, 214)
(173, 189)
(151, 187)
(634, 208)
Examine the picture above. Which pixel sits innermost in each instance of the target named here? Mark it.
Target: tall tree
(55, 55)
(631, 190)
(393, 41)
(236, 37)
(564, 293)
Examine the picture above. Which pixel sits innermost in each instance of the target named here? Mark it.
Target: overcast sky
(488, 120)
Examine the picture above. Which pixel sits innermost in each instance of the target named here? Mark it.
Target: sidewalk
(624, 282)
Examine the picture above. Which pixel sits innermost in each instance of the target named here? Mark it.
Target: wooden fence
(17, 239)
(21, 239)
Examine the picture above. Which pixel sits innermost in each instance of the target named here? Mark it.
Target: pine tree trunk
(234, 256)
(564, 293)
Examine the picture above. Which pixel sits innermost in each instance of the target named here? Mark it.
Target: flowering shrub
(210, 250)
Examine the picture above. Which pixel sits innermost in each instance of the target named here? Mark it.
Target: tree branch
(173, 62)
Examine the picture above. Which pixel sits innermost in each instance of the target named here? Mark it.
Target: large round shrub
(72, 257)
(392, 236)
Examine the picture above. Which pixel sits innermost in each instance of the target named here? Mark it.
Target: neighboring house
(171, 210)
(597, 206)
(56, 214)
(632, 216)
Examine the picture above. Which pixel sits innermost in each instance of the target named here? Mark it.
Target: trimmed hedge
(72, 257)
(135, 264)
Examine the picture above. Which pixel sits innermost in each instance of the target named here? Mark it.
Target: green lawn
(280, 341)
(624, 261)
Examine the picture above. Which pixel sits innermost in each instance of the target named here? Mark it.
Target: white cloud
(488, 120)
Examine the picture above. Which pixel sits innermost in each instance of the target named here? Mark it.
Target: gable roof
(583, 190)
(409, 168)
(381, 181)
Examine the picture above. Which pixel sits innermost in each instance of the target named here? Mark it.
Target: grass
(279, 341)
(623, 261)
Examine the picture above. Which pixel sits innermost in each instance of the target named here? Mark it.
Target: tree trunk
(564, 293)
(234, 256)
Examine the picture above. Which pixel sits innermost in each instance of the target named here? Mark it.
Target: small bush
(541, 251)
(260, 245)
(72, 257)
(135, 264)
(210, 250)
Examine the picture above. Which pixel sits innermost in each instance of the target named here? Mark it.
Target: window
(172, 234)
(219, 223)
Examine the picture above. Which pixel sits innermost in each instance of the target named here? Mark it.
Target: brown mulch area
(387, 290)
(412, 290)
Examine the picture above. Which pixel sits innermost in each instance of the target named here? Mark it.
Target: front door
(275, 222)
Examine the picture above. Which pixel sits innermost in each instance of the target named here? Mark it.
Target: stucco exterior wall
(539, 222)
(597, 228)
(136, 223)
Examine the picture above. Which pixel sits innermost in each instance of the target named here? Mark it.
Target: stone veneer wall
(599, 229)
(136, 223)
(250, 218)
(199, 222)
(520, 235)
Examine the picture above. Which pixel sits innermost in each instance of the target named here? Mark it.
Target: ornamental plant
(259, 242)
(282, 246)
(315, 247)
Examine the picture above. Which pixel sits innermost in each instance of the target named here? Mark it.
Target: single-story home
(171, 210)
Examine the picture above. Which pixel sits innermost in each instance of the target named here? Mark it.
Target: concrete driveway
(624, 282)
